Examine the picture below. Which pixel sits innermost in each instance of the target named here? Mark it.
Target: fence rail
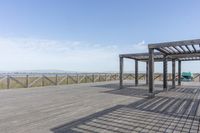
(37, 80)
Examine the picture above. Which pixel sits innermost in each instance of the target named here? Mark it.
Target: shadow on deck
(178, 110)
(140, 91)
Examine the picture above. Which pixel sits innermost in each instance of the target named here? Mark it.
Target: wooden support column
(136, 72)
(179, 72)
(173, 73)
(147, 73)
(165, 73)
(121, 65)
(151, 70)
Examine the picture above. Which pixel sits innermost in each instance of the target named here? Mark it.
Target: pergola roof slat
(177, 49)
(188, 48)
(167, 48)
(182, 48)
(194, 48)
(172, 50)
(164, 51)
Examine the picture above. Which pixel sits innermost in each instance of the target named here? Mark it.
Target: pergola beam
(189, 59)
(175, 43)
(183, 55)
(159, 57)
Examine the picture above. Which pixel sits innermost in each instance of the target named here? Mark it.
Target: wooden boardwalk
(99, 107)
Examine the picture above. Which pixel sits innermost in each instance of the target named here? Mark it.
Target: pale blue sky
(88, 35)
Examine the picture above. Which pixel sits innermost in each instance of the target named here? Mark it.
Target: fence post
(67, 80)
(93, 77)
(56, 83)
(105, 77)
(77, 78)
(8, 82)
(199, 78)
(85, 78)
(42, 80)
(99, 77)
(27, 81)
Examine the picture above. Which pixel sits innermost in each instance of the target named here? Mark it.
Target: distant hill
(53, 71)
(38, 71)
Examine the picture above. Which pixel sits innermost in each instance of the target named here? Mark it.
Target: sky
(89, 35)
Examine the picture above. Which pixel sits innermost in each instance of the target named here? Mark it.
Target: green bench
(186, 76)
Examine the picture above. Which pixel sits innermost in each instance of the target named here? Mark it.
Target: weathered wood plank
(88, 108)
(33, 82)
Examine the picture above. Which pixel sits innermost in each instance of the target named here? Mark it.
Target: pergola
(144, 57)
(177, 51)
(187, 50)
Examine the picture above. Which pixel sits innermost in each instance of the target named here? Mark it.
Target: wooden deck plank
(99, 107)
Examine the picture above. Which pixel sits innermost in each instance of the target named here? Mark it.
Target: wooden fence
(32, 80)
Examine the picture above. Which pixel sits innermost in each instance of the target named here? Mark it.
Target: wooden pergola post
(165, 73)
(136, 72)
(147, 73)
(151, 70)
(173, 73)
(179, 72)
(121, 65)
